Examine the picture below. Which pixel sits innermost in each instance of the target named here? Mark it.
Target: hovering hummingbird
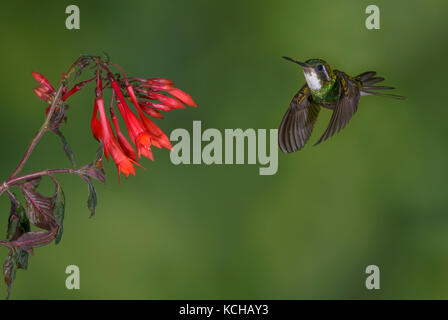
(331, 89)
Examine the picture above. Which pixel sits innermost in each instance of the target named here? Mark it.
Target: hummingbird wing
(346, 106)
(298, 122)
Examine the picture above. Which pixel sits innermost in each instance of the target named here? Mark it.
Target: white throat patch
(312, 79)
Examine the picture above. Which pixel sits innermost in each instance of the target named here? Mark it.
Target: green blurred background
(374, 194)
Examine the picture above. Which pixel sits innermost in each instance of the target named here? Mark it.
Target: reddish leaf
(39, 208)
(34, 239)
(9, 272)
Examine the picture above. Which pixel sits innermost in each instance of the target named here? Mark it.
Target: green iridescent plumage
(328, 92)
(334, 90)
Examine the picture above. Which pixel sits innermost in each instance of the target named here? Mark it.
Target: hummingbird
(327, 88)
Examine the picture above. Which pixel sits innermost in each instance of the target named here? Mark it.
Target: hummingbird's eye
(320, 67)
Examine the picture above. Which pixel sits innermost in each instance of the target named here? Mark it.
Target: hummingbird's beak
(303, 64)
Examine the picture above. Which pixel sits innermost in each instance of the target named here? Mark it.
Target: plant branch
(45, 127)
(16, 180)
(38, 135)
(46, 213)
(37, 174)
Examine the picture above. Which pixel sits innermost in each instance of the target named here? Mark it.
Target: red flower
(148, 96)
(111, 146)
(45, 91)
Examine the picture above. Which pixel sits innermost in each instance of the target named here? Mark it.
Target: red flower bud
(159, 81)
(157, 105)
(41, 92)
(42, 80)
(151, 111)
(169, 101)
(182, 96)
(161, 87)
(95, 124)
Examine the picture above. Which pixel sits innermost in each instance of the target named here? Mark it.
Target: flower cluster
(37, 219)
(147, 97)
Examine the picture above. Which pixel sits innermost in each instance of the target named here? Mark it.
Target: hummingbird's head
(317, 72)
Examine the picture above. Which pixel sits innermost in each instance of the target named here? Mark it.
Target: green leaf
(22, 259)
(66, 146)
(18, 223)
(13, 220)
(24, 223)
(92, 200)
(59, 210)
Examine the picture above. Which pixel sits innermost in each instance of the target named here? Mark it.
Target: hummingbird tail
(367, 81)
(374, 93)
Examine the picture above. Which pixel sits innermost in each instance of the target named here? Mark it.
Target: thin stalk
(39, 134)
(44, 127)
(37, 174)
(33, 175)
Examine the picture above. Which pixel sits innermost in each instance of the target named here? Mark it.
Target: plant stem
(39, 134)
(37, 174)
(14, 181)
(44, 127)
